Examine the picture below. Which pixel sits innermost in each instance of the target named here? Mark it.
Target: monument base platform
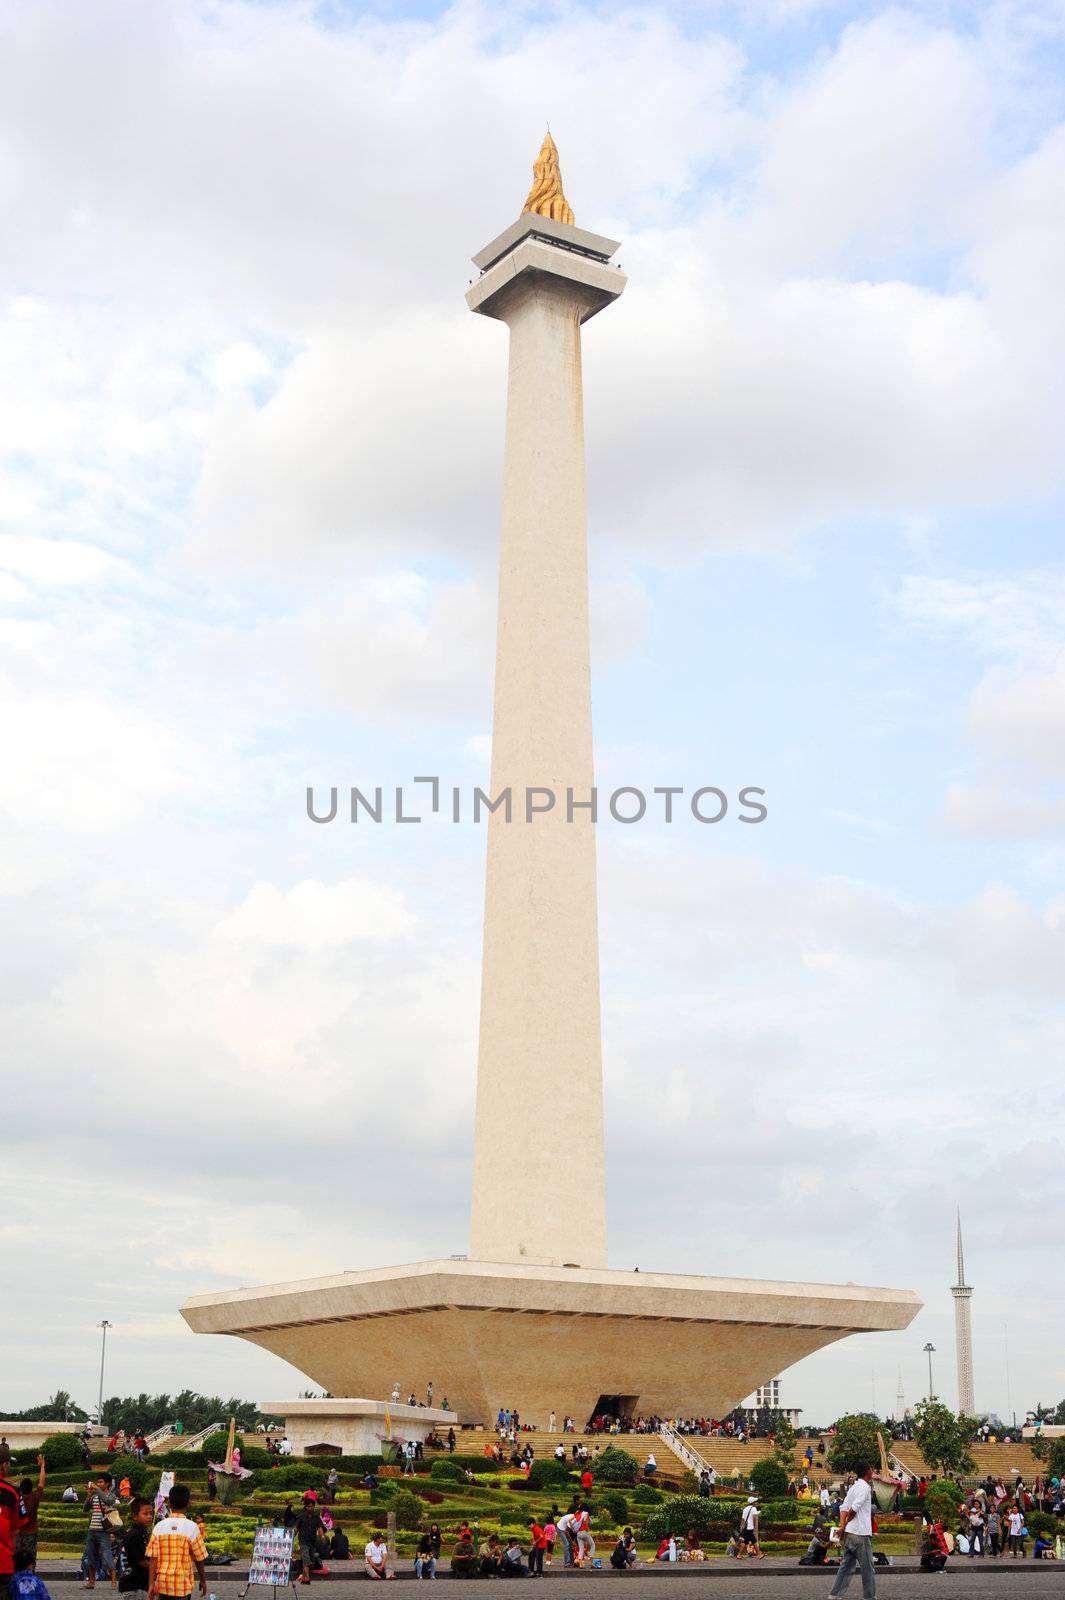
(354, 1427)
(538, 1339)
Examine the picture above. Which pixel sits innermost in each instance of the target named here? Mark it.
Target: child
(25, 1584)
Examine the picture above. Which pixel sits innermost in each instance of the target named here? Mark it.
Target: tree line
(146, 1411)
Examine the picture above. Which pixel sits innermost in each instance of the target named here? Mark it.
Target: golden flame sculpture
(545, 196)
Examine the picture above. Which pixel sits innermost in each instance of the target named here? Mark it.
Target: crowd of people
(160, 1548)
(159, 1554)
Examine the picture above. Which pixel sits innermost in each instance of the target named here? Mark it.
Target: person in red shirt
(10, 1522)
(586, 1480)
(537, 1546)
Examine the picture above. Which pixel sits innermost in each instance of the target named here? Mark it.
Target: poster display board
(271, 1558)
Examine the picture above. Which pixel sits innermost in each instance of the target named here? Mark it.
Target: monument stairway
(543, 1444)
(727, 1457)
(689, 1459)
(193, 1441)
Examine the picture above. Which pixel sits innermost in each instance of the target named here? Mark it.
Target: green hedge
(550, 1474)
(215, 1445)
(683, 1511)
(616, 1467)
(769, 1478)
(449, 1470)
(59, 1450)
(616, 1506)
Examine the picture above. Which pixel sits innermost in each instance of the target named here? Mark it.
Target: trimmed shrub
(215, 1445)
(475, 1463)
(948, 1486)
(550, 1474)
(645, 1494)
(449, 1470)
(408, 1509)
(783, 1511)
(309, 1473)
(60, 1450)
(136, 1471)
(769, 1479)
(684, 1511)
(616, 1467)
(432, 1496)
(616, 1506)
(940, 1504)
(1041, 1522)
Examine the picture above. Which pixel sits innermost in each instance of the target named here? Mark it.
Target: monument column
(539, 1076)
(963, 1333)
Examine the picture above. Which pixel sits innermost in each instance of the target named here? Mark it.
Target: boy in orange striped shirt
(176, 1552)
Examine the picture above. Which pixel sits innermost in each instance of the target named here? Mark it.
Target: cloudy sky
(251, 444)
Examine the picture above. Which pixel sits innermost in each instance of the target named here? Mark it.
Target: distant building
(767, 1398)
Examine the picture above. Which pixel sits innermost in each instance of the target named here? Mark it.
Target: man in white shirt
(376, 1554)
(749, 1529)
(566, 1528)
(856, 1529)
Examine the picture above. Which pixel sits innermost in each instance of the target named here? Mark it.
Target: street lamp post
(930, 1351)
(104, 1325)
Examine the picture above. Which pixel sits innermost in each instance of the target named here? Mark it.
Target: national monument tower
(963, 1333)
(534, 1319)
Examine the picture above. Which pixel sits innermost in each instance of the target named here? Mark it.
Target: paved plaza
(771, 1580)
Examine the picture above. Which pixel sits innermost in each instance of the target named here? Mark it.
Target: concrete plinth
(541, 1339)
(354, 1427)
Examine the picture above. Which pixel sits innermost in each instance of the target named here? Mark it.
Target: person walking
(976, 1529)
(749, 1529)
(308, 1527)
(537, 1547)
(856, 1531)
(100, 1504)
(176, 1552)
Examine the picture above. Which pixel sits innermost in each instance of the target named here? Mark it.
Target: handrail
(192, 1441)
(687, 1456)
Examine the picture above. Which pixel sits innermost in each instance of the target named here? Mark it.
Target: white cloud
(1025, 718)
(312, 915)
